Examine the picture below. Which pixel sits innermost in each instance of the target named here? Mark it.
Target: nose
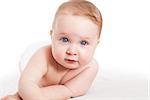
(71, 50)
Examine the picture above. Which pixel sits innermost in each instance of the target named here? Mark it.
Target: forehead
(77, 25)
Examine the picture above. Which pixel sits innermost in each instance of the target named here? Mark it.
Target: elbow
(23, 90)
(28, 91)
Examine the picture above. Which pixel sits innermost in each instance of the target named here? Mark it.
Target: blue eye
(64, 39)
(84, 42)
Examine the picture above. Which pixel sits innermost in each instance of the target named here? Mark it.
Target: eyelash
(85, 42)
(65, 40)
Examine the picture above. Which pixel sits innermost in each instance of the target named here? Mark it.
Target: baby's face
(74, 40)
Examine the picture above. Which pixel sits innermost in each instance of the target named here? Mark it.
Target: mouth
(70, 60)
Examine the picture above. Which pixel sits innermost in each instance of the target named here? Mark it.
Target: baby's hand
(12, 97)
(9, 97)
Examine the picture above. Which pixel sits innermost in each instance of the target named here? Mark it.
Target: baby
(66, 68)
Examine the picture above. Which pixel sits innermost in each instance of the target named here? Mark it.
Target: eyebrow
(84, 37)
(81, 37)
(63, 33)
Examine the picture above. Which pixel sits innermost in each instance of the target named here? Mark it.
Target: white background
(125, 39)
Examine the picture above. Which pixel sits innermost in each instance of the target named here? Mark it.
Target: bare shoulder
(43, 54)
(43, 50)
(93, 64)
(92, 68)
(36, 66)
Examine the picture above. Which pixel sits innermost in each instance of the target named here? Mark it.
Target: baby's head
(75, 33)
(81, 8)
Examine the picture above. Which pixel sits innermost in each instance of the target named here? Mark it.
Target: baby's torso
(52, 77)
(55, 77)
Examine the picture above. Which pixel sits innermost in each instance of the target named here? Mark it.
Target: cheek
(86, 56)
(57, 51)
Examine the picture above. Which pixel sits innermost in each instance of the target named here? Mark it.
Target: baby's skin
(58, 75)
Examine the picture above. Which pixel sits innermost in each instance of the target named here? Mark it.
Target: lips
(71, 60)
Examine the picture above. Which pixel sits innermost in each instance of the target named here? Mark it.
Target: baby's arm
(82, 82)
(28, 84)
(56, 92)
(74, 87)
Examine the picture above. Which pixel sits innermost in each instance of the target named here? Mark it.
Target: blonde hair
(81, 8)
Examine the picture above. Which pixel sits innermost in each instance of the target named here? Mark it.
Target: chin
(72, 67)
